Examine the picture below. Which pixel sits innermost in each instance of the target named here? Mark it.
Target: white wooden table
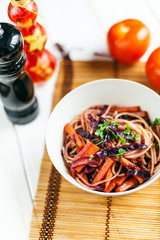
(81, 26)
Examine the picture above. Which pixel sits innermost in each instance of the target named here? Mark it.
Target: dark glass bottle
(16, 87)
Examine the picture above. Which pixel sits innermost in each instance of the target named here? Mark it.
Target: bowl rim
(72, 180)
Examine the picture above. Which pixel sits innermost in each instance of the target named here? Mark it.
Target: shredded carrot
(88, 150)
(102, 172)
(128, 165)
(142, 113)
(73, 172)
(126, 185)
(125, 109)
(121, 180)
(83, 151)
(108, 176)
(112, 185)
(72, 133)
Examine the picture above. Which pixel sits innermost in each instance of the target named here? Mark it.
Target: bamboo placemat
(62, 211)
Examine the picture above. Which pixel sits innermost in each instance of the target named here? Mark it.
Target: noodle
(127, 131)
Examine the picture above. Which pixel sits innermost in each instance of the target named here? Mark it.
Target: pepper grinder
(16, 87)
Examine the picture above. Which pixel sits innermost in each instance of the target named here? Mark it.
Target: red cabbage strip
(83, 161)
(85, 134)
(140, 173)
(88, 169)
(100, 188)
(94, 123)
(114, 151)
(120, 132)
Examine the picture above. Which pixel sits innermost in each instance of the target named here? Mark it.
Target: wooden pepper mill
(16, 87)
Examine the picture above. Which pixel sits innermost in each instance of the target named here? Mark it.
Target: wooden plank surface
(15, 200)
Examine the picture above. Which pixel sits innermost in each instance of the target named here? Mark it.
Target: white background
(81, 26)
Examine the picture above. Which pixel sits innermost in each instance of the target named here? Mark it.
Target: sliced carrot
(142, 114)
(126, 185)
(121, 180)
(125, 109)
(72, 133)
(102, 172)
(79, 169)
(73, 172)
(88, 150)
(112, 185)
(91, 150)
(129, 165)
(83, 150)
(108, 176)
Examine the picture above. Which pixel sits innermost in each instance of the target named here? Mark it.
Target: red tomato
(40, 65)
(23, 17)
(34, 37)
(153, 68)
(128, 40)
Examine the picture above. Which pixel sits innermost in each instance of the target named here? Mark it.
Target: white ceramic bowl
(106, 91)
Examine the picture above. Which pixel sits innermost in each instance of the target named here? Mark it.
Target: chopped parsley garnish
(99, 143)
(100, 132)
(115, 124)
(114, 135)
(91, 157)
(102, 126)
(136, 137)
(129, 132)
(156, 145)
(94, 140)
(132, 135)
(123, 140)
(121, 152)
(156, 122)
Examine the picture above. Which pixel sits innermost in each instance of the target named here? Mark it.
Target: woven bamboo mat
(64, 212)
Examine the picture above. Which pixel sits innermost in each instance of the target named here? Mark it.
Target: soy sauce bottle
(16, 87)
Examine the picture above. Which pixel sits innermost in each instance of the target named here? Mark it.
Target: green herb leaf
(132, 135)
(94, 140)
(91, 157)
(115, 123)
(123, 140)
(128, 127)
(128, 130)
(136, 137)
(121, 152)
(156, 145)
(99, 143)
(156, 122)
(104, 125)
(100, 131)
(113, 133)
